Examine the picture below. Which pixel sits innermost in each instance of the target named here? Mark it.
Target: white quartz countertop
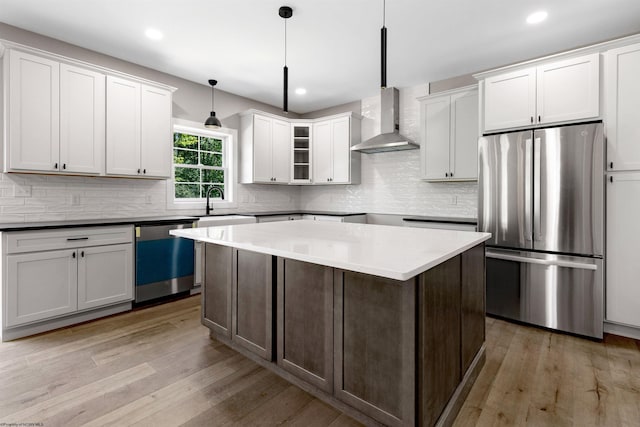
(387, 251)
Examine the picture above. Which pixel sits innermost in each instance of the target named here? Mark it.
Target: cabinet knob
(64, 166)
(610, 179)
(450, 174)
(446, 174)
(82, 254)
(539, 119)
(531, 119)
(55, 166)
(611, 165)
(138, 170)
(73, 255)
(144, 171)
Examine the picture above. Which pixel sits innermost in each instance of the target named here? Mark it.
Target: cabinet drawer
(45, 240)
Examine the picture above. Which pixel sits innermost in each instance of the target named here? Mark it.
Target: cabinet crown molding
(7, 44)
(601, 47)
(449, 92)
(290, 120)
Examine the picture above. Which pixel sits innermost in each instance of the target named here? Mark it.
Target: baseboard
(49, 325)
(622, 330)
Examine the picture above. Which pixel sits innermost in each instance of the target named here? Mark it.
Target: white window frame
(229, 139)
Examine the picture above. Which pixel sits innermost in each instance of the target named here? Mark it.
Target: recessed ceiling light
(537, 17)
(301, 91)
(153, 34)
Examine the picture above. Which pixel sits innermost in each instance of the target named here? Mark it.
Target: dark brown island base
(384, 351)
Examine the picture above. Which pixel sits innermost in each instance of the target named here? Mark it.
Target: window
(201, 158)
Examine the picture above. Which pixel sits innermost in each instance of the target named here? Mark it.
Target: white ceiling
(333, 45)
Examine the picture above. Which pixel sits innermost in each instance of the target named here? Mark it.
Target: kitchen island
(385, 323)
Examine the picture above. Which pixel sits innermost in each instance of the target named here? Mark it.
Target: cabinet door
(34, 113)
(281, 151)
(105, 275)
(40, 285)
(82, 120)
(217, 288)
(569, 90)
(322, 158)
(340, 150)
(155, 137)
(623, 260)
(623, 105)
(374, 346)
(463, 154)
(305, 321)
(262, 149)
(510, 100)
(123, 127)
(252, 302)
(434, 149)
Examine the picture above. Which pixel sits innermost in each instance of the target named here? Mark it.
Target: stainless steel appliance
(541, 196)
(164, 263)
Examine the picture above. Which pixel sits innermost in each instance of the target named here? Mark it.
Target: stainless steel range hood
(389, 138)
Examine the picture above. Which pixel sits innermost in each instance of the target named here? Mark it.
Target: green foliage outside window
(198, 163)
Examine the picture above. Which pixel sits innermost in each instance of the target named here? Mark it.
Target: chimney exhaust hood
(389, 138)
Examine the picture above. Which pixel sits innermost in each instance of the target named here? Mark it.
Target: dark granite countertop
(42, 225)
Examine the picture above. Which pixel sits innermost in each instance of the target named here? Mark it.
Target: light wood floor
(158, 367)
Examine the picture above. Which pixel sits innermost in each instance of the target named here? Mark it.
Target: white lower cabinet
(623, 258)
(41, 285)
(105, 275)
(52, 273)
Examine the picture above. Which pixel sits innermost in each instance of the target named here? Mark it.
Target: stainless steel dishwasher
(164, 263)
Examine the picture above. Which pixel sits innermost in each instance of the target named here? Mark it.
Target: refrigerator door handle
(527, 190)
(537, 235)
(557, 263)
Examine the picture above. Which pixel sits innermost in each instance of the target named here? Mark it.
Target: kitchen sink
(212, 221)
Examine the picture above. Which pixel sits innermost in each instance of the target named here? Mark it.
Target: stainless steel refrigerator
(541, 196)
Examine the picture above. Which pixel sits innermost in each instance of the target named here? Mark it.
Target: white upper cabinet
(332, 156)
(561, 91)
(33, 113)
(156, 132)
(82, 120)
(449, 149)
(622, 86)
(123, 127)
(62, 116)
(319, 153)
(510, 99)
(138, 129)
(265, 149)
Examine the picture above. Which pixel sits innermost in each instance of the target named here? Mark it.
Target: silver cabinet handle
(558, 263)
(537, 234)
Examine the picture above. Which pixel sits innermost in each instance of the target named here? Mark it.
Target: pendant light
(212, 121)
(285, 12)
(383, 48)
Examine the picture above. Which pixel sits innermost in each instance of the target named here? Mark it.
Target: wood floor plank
(157, 366)
(80, 395)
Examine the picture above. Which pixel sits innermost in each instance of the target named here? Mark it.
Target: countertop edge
(372, 270)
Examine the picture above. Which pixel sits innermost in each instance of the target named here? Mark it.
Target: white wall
(391, 181)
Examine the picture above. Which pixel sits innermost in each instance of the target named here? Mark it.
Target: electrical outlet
(75, 199)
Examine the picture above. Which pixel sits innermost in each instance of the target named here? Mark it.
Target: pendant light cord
(212, 104)
(285, 42)
(384, 12)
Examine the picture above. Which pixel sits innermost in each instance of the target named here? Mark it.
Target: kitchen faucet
(208, 209)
